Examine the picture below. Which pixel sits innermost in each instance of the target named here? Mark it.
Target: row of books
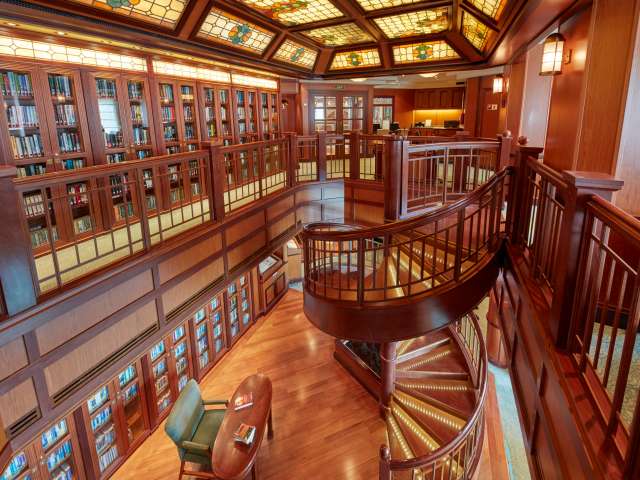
(62, 453)
(27, 146)
(39, 236)
(66, 114)
(82, 225)
(105, 439)
(113, 139)
(135, 90)
(16, 84)
(137, 113)
(106, 88)
(33, 204)
(166, 92)
(77, 193)
(189, 132)
(33, 169)
(69, 142)
(186, 92)
(187, 111)
(141, 136)
(107, 458)
(170, 133)
(60, 86)
(73, 163)
(168, 113)
(22, 116)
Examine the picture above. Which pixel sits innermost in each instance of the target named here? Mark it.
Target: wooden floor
(326, 425)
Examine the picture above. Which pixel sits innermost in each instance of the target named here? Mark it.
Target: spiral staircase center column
(388, 357)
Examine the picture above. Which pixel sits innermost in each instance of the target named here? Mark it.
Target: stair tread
(395, 444)
(445, 359)
(457, 394)
(419, 440)
(422, 346)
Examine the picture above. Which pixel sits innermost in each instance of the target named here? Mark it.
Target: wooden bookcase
(55, 454)
(247, 122)
(239, 310)
(167, 369)
(216, 113)
(269, 105)
(209, 336)
(178, 116)
(114, 421)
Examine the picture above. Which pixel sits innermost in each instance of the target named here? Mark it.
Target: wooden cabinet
(209, 336)
(272, 281)
(239, 311)
(114, 421)
(178, 116)
(215, 113)
(54, 455)
(439, 98)
(269, 114)
(245, 103)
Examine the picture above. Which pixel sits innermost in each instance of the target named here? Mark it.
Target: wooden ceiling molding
(302, 38)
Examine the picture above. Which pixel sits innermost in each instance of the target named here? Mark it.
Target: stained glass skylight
(295, 12)
(337, 35)
(161, 12)
(423, 22)
(423, 52)
(356, 59)
(492, 8)
(475, 31)
(370, 5)
(224, 27)
(296, 54)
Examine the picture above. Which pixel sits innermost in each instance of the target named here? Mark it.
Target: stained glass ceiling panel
(422, 22)
(475, 31)
(296, 54)
(492, 8)
(423, 52)
(371, 5)
(356, 59)
(295, 12)
(337, 35)
(160, 12)
(225, 28)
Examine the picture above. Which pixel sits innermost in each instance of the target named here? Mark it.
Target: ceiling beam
(192, 19)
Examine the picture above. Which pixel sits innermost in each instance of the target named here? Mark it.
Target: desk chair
(194, 429)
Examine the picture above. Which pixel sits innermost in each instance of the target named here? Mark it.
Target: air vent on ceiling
(25, 422)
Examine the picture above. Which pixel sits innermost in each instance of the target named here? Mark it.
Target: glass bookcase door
(66, 115)
(28, 142)
(130, 386)
(189, 117)
(241, 115)
(141, 132)
(202, 339)
(59, 451)
(108, 96)
(274, 106)
(181, 356)
(41, 218)
(159, 367)
(226, 118)
(103, 428)
(216, 318)
(252, 114)
(168, 115)
(210, 118)
(265, 124)
(20, 467)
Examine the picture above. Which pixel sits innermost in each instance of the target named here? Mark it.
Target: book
(243, 401)
(245, 434)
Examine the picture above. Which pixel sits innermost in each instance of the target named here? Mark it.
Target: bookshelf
(178, 116)
(216, 113)
(245, 103)
(239, 311)
(208, 333)
(269, 114)
(181, 353)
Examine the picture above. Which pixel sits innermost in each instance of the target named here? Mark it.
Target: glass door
(274, 104)
(68, 125)
(132, 403)
(189, 116)
(382, 112)
(103, 432)
(239, 308)
(181, 356)
(324, 114)
(169, 118)
(226, 129)
(352, 113)
(216, 317)
(26, 122)
(210, 118)
(111, 125)
(202, 341)
(141, 127)
(60, 452)
(162, 398)
(22, 466)
(265, 116)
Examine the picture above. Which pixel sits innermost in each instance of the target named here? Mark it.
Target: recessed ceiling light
(430, 75)
(60, 33)
(358, 79)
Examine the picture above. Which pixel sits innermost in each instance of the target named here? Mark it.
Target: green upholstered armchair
(193, 428)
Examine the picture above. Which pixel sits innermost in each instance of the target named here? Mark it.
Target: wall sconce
(285, 104)
(553, 55)
(498, 84)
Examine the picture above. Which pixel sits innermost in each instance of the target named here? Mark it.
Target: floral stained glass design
(475, 31)
(296, 54)
(226, 28)
(356, 59)
(161, 12)
(422, 22)
(337, 35)
(423, 52)
(371, 5)
(492, 8)
(295, 12)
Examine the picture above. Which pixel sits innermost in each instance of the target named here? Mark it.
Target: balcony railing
(458, 458)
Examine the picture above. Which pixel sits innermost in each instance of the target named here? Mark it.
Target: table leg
(270, 426)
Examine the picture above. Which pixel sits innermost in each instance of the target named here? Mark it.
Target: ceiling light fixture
(358, 79)
(552, 55)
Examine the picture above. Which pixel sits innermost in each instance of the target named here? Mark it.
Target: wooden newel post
(519, 189)
(17, 284)
(503, 158)
(385, 460)
(581, 186)
(322, 156)
(217, 181)
(388, 358)
(354, 155)
(396, 169)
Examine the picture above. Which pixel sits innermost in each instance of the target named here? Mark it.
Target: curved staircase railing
(458, 459)
(390, 263)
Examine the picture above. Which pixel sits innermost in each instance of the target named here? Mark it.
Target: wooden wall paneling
(13, 356)
(189, 257)
(246, 248)
(17, 403)
(512, 97)
(403, 104)
(179, 293)
(535, 103)
(489, 106)
(471, 105)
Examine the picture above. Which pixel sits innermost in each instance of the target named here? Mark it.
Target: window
(382, 112)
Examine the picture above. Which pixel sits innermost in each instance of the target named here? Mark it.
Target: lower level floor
(326, 425)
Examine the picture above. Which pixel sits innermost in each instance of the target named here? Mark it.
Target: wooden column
(17, 282)
(217, 181)
(581, 186)
(504, 152)
(387, 372)
(354, 155)
(516, 210)
(322, 157)
(396, 164)
(292, 158)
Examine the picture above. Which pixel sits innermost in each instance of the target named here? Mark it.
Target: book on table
(245, 434)
(243, 401)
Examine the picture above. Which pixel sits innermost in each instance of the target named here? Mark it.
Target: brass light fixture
(552, 55)
(498, 84)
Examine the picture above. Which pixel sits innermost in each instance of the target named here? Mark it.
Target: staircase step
(457, 395)
(448, 407)
(420, 441)
(423, 345)
(430, 375)
(446, 358)
(398, 445)
(428, 358)
(440, 424)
